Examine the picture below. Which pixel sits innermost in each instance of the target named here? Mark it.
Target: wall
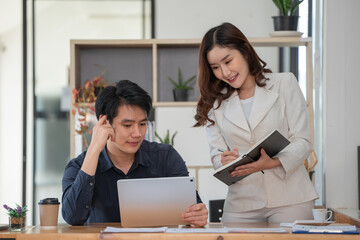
(10, 117)
(341, 102)
(191, 19)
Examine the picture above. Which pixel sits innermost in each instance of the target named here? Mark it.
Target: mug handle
(329, 215)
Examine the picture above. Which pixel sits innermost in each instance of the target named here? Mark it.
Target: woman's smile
(233, 79)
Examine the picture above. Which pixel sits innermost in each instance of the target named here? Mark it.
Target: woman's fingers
(228, 156)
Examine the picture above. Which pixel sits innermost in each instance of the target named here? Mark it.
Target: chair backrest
(216, 209)
(311, 162)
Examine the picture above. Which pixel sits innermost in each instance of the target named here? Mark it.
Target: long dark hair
(224, 35)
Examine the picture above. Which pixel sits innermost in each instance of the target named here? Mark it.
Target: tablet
(151, 202)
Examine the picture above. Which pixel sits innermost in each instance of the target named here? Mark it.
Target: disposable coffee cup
(49, 210)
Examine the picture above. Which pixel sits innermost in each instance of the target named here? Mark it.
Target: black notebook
(272, 144)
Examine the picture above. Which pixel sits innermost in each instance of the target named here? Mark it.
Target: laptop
(152, 202)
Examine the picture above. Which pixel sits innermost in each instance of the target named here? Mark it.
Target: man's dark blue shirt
(94, 198)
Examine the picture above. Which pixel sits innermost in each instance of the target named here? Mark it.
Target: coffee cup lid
(49, 201)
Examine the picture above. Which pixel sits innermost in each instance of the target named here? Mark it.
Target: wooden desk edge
(341, 217)
(93, 231)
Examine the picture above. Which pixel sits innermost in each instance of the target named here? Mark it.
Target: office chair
(216, 209)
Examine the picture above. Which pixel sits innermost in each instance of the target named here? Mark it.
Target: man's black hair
(124, 92)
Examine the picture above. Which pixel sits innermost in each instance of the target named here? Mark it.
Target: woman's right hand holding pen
(228, 156)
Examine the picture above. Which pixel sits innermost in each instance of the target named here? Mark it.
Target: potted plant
(85, 98)
(17, 217)
(180, 90)
(287, 21)
(166, 139)
(99, 81)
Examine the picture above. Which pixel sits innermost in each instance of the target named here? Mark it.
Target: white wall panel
(10, 120)
(341, 101)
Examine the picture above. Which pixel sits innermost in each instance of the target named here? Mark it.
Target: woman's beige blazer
(279, 105)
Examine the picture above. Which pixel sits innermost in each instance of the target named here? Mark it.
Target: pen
(223, 150)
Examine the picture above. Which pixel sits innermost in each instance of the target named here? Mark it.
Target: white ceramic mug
(320, 214)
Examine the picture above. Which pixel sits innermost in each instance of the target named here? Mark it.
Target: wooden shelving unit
(151, 61)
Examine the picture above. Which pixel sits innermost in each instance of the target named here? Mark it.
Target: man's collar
(141, 158)
(105, 162)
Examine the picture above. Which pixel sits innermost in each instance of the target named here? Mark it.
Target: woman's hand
(229, 156)
(264, 162)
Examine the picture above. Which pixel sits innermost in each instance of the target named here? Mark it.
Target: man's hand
(196, 215)
(102, 131)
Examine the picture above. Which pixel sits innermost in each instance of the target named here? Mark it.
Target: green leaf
(172, 139)
(180, 84)
(173, 82)
(189, 80)
(279, 5)
(287, 7)
(160, 139)
(166, 139)
(294, 6)
(180, 78)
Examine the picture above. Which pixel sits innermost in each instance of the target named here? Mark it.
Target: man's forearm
(90, 162)
(76, 200)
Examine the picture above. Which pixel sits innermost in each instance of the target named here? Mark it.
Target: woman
(241, 102)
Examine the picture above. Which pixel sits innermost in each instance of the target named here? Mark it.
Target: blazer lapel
(264, 98)
(234, 113)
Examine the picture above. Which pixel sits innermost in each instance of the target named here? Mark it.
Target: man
(118, 151)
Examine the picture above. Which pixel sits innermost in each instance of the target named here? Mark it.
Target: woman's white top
(247, 105)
